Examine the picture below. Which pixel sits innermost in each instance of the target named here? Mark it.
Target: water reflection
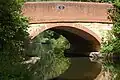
(81, 69)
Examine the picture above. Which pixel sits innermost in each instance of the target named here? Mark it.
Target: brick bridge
(83, 24)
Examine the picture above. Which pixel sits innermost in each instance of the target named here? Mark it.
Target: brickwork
(40, 12)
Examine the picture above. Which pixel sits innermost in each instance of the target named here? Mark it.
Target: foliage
(13, 33)
(13, 26)
(112, 45)
(111, 48)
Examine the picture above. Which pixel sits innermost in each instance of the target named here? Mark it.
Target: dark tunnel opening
(79, 47)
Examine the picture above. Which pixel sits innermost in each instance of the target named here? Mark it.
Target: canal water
(81, 69)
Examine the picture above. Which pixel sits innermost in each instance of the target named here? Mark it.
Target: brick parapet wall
(40, 12)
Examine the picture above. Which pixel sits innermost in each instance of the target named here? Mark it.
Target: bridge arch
(75, 33)
(82, 40)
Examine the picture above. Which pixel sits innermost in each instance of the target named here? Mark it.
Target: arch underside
(79, 38)
(82, 40)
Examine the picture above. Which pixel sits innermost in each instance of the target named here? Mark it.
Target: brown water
(81, 69)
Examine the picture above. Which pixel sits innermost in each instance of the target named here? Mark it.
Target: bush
(13, 27)
(111, 48)
(13, 33)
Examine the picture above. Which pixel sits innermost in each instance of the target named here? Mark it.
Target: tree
(13, 33)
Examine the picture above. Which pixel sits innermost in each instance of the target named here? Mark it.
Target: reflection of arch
(77, 29)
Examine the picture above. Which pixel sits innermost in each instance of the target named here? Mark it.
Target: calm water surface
(82, 69)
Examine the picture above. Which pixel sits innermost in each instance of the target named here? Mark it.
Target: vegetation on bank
(111, 47)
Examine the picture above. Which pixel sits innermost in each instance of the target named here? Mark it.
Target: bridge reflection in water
(81, 68)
